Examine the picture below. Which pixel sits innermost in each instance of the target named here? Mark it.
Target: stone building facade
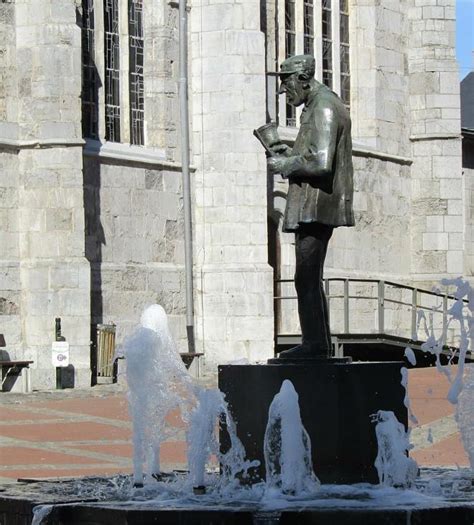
(91, 207)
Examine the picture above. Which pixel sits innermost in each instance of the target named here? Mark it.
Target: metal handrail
(389, 283)
(381, 299)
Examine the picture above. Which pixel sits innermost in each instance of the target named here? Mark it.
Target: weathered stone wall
(408, 200)
(133, 204)
(54, 272)
(379, 80)
(10, 324)
(42, 185)
(378, 247)
(437, 208)
(233, 278)
(134, 242)
(404, 108)
(9, 88)
(161, 77)
(10, 290)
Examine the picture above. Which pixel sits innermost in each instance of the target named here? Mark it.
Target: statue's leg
(324, 298)
(310, 249)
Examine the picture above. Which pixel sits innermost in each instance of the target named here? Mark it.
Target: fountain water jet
(202, 442)
(394, 467)
(158, 383)
(287, 446)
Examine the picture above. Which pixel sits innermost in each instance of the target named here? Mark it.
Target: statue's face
(293, 87)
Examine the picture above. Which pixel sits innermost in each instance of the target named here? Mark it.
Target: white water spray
(393, 466)
(40, 513)
(287, 446)
(202, 442)
(158, 383)
(461, 391)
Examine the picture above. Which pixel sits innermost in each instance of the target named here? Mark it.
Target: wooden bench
(12, 371)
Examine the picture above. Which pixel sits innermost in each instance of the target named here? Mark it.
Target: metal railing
(438, 304)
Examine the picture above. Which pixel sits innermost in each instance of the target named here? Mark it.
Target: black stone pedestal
(336, 402)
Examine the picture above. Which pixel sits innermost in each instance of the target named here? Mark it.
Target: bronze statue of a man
(320, 174)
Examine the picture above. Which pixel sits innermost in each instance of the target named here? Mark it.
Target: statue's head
(296, 74)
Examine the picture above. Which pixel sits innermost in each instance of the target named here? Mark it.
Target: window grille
(327, 42)
(90, 106)
(308, 24)
(344, 51)
(112, 71)
(136, 80)
(290, 50)
(319, 28)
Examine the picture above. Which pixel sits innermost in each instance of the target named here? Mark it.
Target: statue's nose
(282, 89)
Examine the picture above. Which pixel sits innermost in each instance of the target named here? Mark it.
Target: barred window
(136, 80)
(327, 42)
(344, 52)
(112, 70)
(290, 49)
(90, 103)
(319, 28)
(308, 23)
(113, 109)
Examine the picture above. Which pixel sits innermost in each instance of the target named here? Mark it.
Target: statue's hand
(281, 149)
(276, 163)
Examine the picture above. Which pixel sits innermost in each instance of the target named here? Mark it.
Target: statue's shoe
(305, 352)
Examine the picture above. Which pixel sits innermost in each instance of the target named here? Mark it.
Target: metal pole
(381, 306)
(414, 305)
(184, 125)
(346, 306)
(445, 319)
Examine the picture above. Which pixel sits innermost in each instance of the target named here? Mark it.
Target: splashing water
(406, 399)
(393, 466)
(465, 413)
(410, 355)
(201, 437)
(461, 391)
(40, 513)
(158, 383)
(287, 446)
(202, 442)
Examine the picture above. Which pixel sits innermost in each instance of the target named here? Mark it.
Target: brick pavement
(77, 433)
(70, 433)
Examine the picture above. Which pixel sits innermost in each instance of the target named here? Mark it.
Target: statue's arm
(319, 147)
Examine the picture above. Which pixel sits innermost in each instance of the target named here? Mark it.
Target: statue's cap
(297, 64)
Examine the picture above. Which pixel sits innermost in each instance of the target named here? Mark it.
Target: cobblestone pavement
(69, 433)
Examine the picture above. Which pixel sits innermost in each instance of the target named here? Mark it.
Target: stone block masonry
(54, 274)
(94, 237)
(44, 272)
(437, 221)
(233, 279)
(134, 243)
